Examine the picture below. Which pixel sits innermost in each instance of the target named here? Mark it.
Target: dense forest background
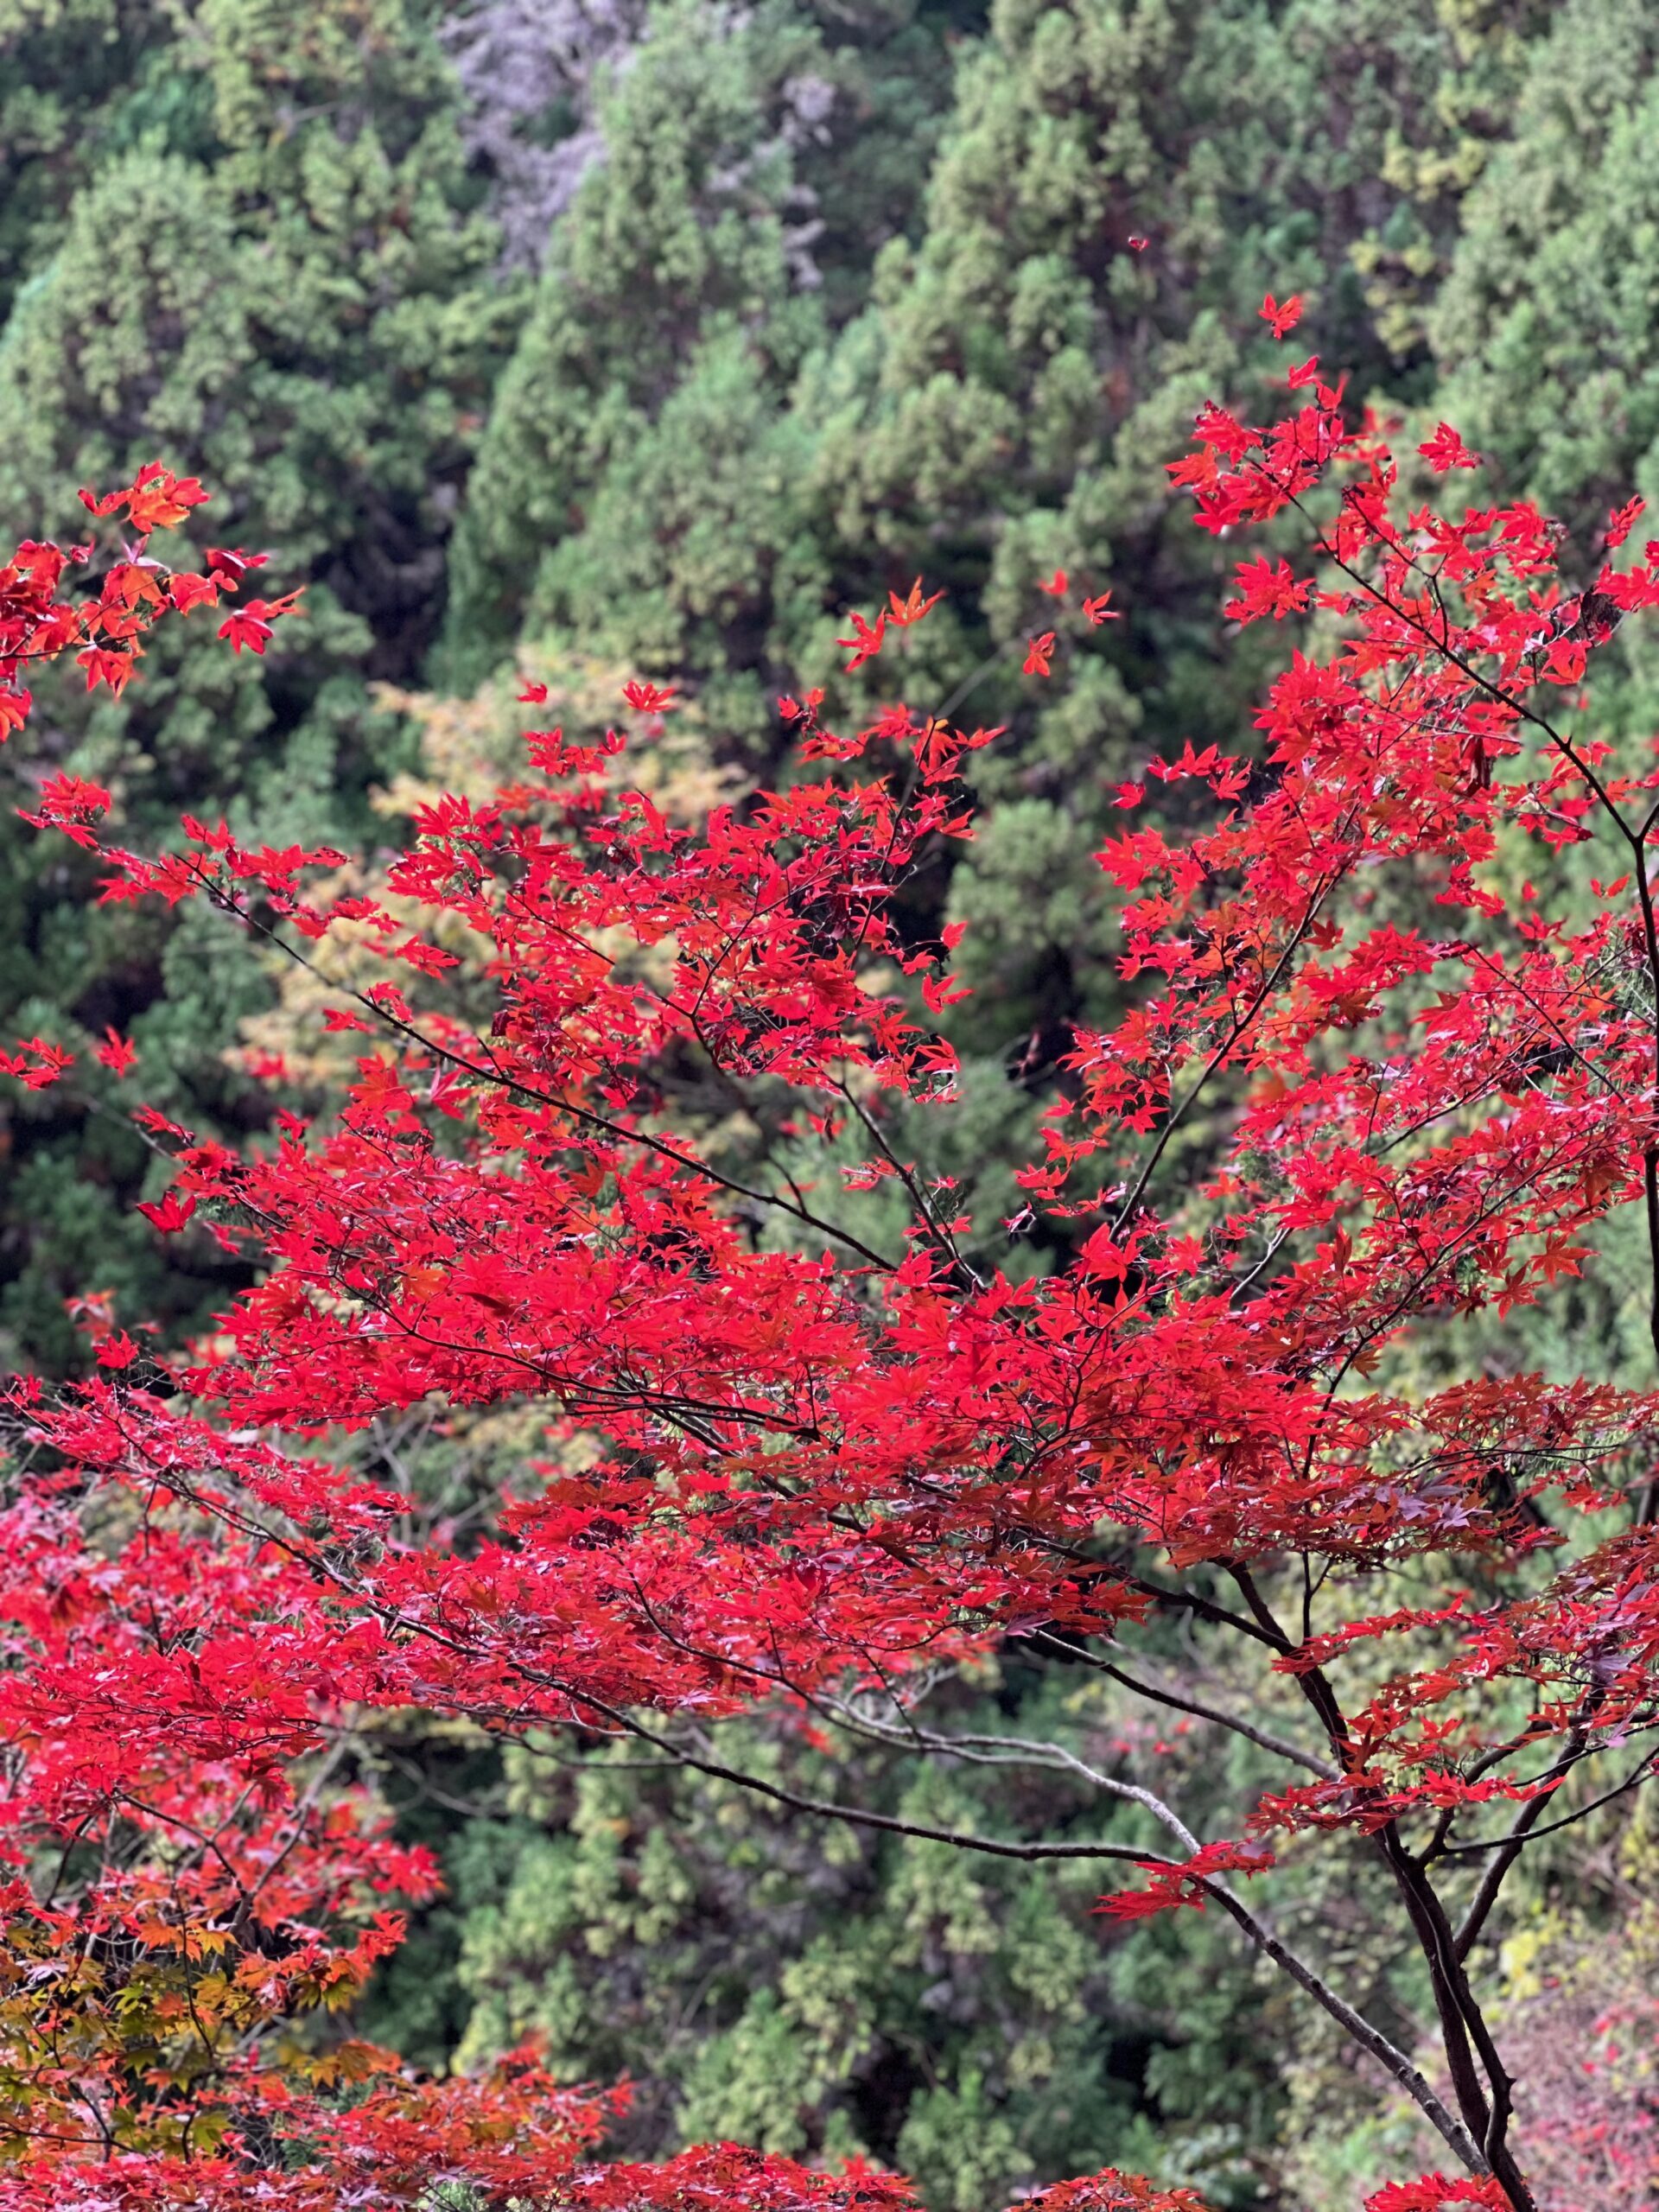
(572, 339)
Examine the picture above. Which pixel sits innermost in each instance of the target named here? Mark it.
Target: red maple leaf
(1281, 317)
(1446, 450)
(650, 698)
(168, 1214)
(901, 613)
(866, 640)
(246, 626)
(116, 1053)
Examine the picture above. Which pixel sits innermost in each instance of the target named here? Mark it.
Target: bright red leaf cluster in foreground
(825, 1461)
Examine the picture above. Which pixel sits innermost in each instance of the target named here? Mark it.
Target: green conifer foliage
(1118, 188)
(299, 313)
(78, 79)
(827, 1991)
(1545, 328)
(641, 486)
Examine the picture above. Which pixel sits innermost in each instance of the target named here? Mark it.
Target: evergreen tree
(1118, 188)
(821, 1994)
(641, 487)
(299, 313)
(1545, 328)
(78, 80)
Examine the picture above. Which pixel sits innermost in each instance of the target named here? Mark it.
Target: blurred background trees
(591, 338)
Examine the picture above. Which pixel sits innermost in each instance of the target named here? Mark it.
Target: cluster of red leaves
(1435, 2193)
(514, 2136)
(106, 632)
(826, 1459)
(1185, 1883)
(104, 629)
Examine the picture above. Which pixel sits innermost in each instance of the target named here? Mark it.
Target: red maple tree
(814, 1466)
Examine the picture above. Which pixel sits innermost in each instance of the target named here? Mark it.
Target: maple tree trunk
(1465, 2038)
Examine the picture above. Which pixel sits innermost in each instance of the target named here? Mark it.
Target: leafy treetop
(786, 1462)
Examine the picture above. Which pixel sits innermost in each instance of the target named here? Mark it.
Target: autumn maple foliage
(788, 1462)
